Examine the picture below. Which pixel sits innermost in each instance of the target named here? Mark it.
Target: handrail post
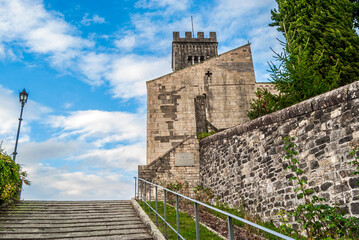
(156, 206)
(165, 211)
(135, 187)
(230, 228)
(138, 188)
(149, 197)
(197, 220)
(177, 216)
(141, 197)
(145, 196)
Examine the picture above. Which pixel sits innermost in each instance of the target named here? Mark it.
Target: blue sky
(85, 64)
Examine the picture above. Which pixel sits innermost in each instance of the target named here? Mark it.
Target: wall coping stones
(325, 100)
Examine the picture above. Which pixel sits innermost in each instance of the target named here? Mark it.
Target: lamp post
(23, 99)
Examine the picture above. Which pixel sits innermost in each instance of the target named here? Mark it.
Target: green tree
(325, 29)
(298, 76)
(355, 12)
(320, 51)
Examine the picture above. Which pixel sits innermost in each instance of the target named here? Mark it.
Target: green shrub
(203, 194)
(264, 104)
(11, 179)
(178, 187)
(204, 135)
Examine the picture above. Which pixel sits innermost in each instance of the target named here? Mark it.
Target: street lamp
(23, 99)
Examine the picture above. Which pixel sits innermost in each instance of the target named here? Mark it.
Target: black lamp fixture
(23, 99)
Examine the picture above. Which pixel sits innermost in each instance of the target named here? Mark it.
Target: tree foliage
(325, 28)
(355, 12)
(320, 51)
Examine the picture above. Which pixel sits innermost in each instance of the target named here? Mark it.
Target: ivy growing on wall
(318, 219)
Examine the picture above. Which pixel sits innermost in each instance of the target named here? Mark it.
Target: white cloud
(68, 105)
(49, 183)
(126, 157)
(50, 149)
(100, 127)
(8, 112)
(126, 43)
(2, 51)
(173, 5)
(77, 166)
(94, 19)
(94, 66)
(29, 24)
(128, 74)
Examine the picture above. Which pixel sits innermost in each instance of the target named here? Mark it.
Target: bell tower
(188, 51)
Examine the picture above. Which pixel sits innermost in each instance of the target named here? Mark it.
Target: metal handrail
(230, 217)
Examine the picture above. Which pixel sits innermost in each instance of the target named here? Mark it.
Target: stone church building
(205, 92)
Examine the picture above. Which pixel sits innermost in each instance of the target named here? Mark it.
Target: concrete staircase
(72, 220)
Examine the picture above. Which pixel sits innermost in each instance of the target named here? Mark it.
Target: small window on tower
(202, 58)
(189, 60)
(196, 59)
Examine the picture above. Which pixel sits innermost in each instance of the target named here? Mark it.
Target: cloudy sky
(85, 64)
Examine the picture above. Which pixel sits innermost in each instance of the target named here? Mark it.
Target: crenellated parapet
(191, 50)
(200, 37)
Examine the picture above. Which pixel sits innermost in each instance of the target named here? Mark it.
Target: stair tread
(72, 220)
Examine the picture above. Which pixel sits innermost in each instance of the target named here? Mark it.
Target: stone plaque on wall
(184, 159)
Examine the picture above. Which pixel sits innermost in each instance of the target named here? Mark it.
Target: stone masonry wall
(247, 161)
(164, 169)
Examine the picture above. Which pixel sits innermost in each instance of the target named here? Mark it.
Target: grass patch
(187, 223)
(242, 214)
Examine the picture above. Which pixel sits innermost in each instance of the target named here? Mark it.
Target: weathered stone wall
(228, 84)
(247, 161)
(165, 169)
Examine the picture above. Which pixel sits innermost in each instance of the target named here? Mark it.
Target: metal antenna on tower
(192, 27)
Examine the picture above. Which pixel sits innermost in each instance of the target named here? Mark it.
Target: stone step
(101, 202)
(137, 236)
(13, 225)
(56, 235)
(65, 206)
(69, 221)
(61, 217)
(68, 204)
(57, 229)
(72, 220)
(70, 211)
